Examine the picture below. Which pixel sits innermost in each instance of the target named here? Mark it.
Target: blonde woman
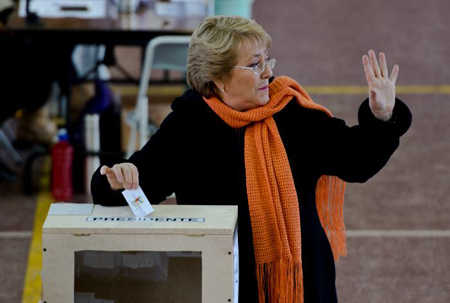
(242, 137)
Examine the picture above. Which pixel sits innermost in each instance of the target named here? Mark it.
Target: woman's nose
(267, 73)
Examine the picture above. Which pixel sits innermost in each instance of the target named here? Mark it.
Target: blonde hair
(214, 48)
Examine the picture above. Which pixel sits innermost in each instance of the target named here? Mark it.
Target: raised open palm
(381, 86)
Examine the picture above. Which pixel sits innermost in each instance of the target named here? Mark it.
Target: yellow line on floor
(32, 288)
(424, 89)
(15, 234)
(411, 233)
(175, 90)
(362, 90)
(157, 90)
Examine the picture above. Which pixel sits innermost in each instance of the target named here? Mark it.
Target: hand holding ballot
(126, 176)
(121, 176)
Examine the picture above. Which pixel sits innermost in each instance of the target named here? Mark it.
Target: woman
(241, 137)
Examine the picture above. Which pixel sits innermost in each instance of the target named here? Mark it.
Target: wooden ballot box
(107, 255)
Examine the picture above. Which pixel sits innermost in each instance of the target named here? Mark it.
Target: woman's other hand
(121, 176)
(381, 87)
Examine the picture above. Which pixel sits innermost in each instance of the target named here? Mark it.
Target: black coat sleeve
(357, 153)
(155, 163)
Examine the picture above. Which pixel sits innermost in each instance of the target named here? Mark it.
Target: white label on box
(70, 209)
(138, 202)
(146, 219)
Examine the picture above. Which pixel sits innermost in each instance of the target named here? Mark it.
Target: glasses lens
(262, 67)
(271, 63)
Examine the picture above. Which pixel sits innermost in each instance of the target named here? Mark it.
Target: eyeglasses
(259, 68)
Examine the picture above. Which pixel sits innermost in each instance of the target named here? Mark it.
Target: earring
(222, 89)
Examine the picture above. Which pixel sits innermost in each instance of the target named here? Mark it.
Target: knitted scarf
(272, 197)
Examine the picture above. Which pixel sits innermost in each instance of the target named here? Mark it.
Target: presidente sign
(144, 219)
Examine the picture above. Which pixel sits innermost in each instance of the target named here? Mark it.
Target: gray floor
(321, 43)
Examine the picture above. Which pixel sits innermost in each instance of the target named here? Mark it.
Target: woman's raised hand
(381, 87)
(121, 176)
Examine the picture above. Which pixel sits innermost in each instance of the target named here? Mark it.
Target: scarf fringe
(280, 281)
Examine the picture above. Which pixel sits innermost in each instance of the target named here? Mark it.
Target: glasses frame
(258, 69)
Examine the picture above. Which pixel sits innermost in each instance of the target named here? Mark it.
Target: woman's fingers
(104, 170)
(134, 176)
(124, 175)
(110, 173)
(111, 176)
(373, 71)
(394, 73)
(383, 65)
(370, 76)
(374, 63)
(127, 175)
(117, 169)
(131, 176)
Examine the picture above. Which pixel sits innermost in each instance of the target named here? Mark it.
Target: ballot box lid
(166, 219)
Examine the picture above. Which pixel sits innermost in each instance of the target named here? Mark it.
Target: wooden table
(117, 28)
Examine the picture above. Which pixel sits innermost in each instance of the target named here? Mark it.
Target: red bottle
(62, 159)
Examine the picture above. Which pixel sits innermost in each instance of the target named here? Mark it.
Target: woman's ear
(219, 84)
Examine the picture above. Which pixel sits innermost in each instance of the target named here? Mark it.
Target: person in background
(241, 136)
(28, 70)
(26, 79)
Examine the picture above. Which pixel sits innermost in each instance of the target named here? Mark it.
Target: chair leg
(131, 141)
(143, 122)
(139, 125)
(8, 131)
(10, 148)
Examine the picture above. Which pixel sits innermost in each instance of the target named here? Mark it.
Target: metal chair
(165, 53)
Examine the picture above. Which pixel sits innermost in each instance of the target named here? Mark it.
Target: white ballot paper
(138, 202)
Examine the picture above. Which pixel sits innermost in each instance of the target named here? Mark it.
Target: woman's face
(243, 89)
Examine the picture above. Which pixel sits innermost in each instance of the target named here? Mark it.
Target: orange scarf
(272, 197)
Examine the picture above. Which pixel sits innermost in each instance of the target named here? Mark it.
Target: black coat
(200, 158)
